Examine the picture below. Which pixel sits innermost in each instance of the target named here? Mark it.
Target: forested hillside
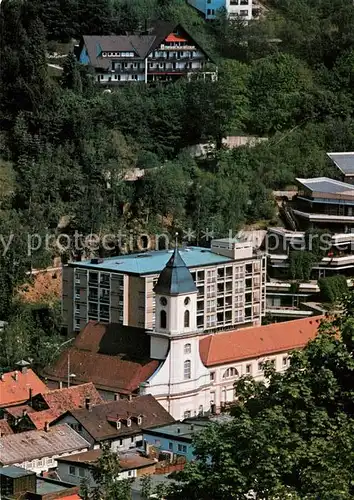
(66, 146)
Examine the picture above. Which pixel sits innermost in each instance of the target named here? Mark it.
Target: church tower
(182, 382)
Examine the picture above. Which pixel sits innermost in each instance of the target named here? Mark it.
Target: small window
(285, 361)
(187, 301)
(72, 470)
(132, 439)
(129, 422)
(187, 349)
(130, 473)
(187, 414)
(260, 366)
(212, 376)
(170, 446)
(186, 319)
(163, 319)
(121, 442)
(187, 369)
(248, 369)
(208, 12)
(157, 442)
(81, 472)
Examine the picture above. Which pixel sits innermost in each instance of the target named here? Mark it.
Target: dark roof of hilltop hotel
(343, 161)
(141, 44)
(175, 278)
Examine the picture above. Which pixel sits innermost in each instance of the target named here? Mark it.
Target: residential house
(230, 277)
(173, 440)
(76, 468)
(46, 407)
(19, 386)
(241, 9)
(118, 423)
(164, 52)
(21, 484)
(38, 450)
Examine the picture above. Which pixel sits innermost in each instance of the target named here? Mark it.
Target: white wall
(45, 464)
(75, 474)
(119, 444)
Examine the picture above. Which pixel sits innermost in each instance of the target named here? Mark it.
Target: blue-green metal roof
(155, 261)
(175, 278)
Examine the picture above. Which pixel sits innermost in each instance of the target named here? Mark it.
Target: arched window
(187, 348)
(230, 372)
(163, 319)
(187, 369)
(186, 319)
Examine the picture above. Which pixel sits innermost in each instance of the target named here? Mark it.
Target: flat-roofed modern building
(230, 277)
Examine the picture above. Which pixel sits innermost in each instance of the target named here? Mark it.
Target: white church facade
(198, 371)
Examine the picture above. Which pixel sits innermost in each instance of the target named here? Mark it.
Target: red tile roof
(113, 357)
(5, 429)
(255, 342)
(63, 400)
(72, 397)
(15, 387)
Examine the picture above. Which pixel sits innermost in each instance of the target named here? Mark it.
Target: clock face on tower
(163, 301)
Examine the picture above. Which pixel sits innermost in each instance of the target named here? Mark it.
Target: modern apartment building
(233, 8)
(164, 52)
(230, 277)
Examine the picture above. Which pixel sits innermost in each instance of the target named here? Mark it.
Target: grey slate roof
(175, 278)
(327, 185)
(139, 44)
(26, 446)
(343, 161)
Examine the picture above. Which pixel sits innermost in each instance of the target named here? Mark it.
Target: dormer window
(119, 424)
(129, 422)
(140, 420)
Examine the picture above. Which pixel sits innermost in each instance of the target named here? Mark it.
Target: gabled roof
(142, 44)
(112, 356)
(15, 387)
(343, 161)
(139, 44)
(62, 400)
(26, 446)
(72, 397)
(99, 424)
(258, 341)
(176, 278)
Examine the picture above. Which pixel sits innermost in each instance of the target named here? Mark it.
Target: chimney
(2, 377)
(130, 397)
(24, 413)
(16, 375)
(46, 426)
(30, 395)
(88, 405)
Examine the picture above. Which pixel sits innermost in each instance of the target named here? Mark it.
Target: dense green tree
(71, 78)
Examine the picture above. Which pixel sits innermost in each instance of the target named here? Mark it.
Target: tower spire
(176, 240)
